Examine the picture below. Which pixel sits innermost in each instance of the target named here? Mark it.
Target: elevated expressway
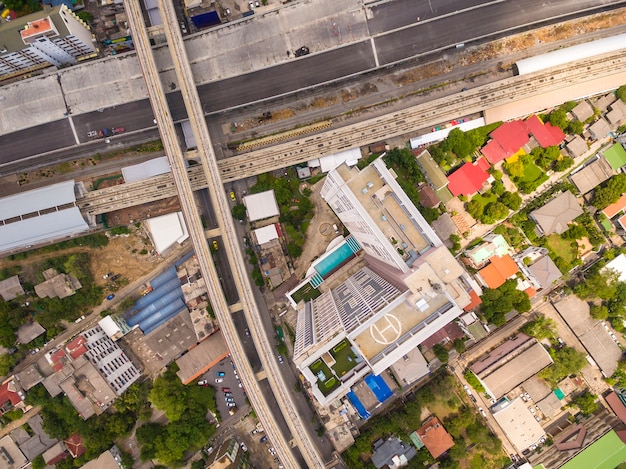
(362, 133)
(173, 150)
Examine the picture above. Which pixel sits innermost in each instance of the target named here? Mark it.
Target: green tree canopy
(610, 191)
(499, 301)
(567, 361)
(586, 402)
(540, 328)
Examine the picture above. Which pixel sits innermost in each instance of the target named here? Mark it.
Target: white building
(412, 287)
(51, 37)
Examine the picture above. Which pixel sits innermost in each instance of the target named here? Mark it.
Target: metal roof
(42, 228)
(146, 170)
(569, 54)
(37, 200)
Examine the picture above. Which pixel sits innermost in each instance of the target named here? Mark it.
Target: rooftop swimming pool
(334, 259)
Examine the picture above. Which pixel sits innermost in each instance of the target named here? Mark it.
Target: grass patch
(305, 293)
(532, 172)
(561, 247)
(485, 199)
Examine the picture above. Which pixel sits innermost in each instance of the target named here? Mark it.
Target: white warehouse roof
(570, 54)
(261, 205)
(46, 227)
(266, 234)
(330, 162)
(146, 170)
(37, 200)
(39, 227)
(167, 230)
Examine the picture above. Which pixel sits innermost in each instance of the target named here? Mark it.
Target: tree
(567, 361)
(511, 199)
(598, 284)
(459, 345)
(515, 169)
(7, 362)
(586, 402)
(475, 209)
(611, 191)
(38, 462)
(473, 381)
(239, 212)
(558, 118)
(499, 301)
(493, 212)
(599, 312)
(85, 16)
(541, 328)
(621, 93)
(441, 353)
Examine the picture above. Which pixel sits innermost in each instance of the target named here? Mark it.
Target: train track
(418, 117)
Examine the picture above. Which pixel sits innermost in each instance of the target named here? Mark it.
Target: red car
(118, 130)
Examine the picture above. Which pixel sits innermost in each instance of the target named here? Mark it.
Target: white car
(219, 380)
(482, 412)
(230, 404)
(243, 446)
(203, 382)
(532, 411)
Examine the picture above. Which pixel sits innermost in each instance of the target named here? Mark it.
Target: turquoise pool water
(334, 259)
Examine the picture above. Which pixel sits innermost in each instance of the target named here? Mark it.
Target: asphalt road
(432, 33)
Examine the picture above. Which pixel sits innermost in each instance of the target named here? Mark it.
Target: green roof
(606, 453)
(616, 156)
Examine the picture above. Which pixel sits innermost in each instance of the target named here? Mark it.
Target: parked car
(220, 373)
(230, 404)
(229, 399)
(225, 389)
(219, 380)
(118, 130)
(482, 412)
(228, 394)
(203, 382)
(105, 276)
(232, 196)
(304, 50)
(111, 296)
(115, 277)
(280, 359)
(263, 439)
(243, 446)
(183, 27)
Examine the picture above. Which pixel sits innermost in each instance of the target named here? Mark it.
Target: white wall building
(412, 287)
(54, 37)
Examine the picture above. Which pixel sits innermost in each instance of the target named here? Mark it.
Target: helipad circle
(386, 330)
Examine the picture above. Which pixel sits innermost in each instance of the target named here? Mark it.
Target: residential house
(592, 175)
(469, 178)
(555, 216)
(435, 437)
(497, 271)
(392, 453)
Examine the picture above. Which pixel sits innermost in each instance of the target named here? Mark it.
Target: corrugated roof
(42, 228)
(37, 200)
(617, 405)
(202, 357)
(146, 170)
(434, 174)
(592, 175)
(261, 205)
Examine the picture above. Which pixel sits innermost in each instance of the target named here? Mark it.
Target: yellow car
(215, 246)
(232, 196)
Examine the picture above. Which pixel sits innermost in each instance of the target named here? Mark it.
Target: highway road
(440, 29)
(308, 454)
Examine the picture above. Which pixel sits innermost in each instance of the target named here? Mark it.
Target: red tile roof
(7, 393)
(545, 134)
(58, 358)
(494, 152)
(435, 437)
(74, 445)
(511, 136)
(451, 331)
(467, 180)
(76, 347)
(475, 301)
(531, 292)
(498, 270)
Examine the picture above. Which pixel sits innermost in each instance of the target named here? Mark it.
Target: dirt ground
(121, 256)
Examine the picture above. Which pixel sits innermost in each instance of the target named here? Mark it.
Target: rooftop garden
(345, 358)
(305, 293)
(326, 380)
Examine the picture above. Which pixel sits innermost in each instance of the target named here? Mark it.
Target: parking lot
(224, 376)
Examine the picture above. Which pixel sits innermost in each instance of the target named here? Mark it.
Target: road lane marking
(374, 50)
(73, 129)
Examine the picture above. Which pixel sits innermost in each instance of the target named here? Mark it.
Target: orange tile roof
(474, 301)
(498, 270)
(436, 439)
(616, 207)
(531, 292)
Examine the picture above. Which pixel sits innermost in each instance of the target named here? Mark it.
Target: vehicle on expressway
(118, 130)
